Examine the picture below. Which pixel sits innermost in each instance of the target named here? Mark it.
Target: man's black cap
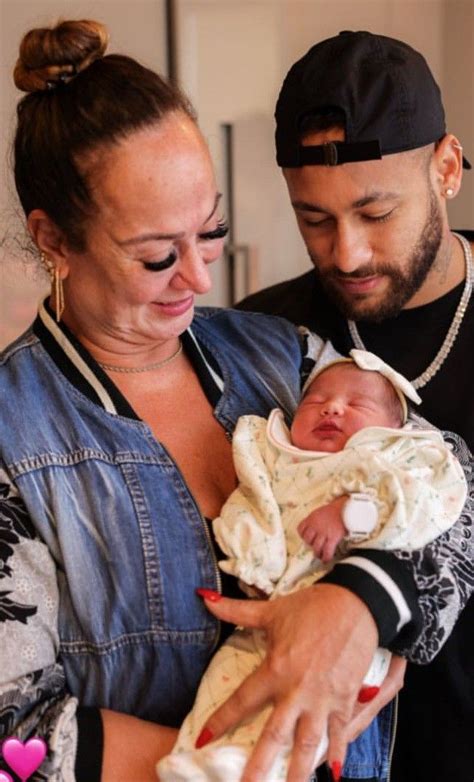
(383, 87)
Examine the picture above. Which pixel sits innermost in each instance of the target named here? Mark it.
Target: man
(362, 142)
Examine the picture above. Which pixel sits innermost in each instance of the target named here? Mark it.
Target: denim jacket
(122, 532)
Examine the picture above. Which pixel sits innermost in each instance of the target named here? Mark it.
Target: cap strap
(334, 153)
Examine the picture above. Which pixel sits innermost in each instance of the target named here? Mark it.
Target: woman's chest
(182, 420)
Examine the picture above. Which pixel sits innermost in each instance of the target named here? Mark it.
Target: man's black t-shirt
(435, 733)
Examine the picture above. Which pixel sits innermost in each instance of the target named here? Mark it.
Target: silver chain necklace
(147, 368)
(453, 330)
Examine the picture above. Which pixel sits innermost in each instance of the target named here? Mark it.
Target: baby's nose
(332, 407)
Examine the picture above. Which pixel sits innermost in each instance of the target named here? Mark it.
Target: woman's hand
(132, 747)
(321, 641)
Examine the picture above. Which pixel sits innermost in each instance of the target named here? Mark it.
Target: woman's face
(156, 230)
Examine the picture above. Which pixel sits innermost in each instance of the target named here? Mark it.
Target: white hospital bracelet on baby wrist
(360, 515)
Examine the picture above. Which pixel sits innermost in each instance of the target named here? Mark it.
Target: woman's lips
(173, 308)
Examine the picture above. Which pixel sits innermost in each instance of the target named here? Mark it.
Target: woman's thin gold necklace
(148, 367)
(451, 333)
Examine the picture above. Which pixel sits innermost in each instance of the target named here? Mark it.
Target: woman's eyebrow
(156, 237)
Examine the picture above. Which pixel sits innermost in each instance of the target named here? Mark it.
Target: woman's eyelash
(159, 266)
(218, 233)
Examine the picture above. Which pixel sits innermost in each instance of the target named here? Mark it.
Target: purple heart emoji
(4, 777)
(25, 758)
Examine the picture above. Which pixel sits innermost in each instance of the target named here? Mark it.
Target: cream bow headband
(372, 363)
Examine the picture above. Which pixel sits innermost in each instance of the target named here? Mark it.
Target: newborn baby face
(339, 402)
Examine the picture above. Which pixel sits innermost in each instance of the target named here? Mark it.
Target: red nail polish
(367, 694)
(336, 770)
(209, 594)
(204, 738)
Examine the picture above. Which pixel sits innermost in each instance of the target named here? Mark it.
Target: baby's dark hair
(79, 101)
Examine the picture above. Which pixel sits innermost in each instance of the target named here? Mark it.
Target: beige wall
(233, 56)
(458, 75)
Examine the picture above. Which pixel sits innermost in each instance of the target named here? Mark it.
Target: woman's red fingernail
(209, 594)
(336, 770)
(367, 694)
(204, 738)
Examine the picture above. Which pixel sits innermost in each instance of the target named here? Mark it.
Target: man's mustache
(360, 273)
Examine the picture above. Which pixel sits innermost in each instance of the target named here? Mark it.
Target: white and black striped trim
(67, 356)
(77, 364)
(387, 588)
(80, 368)
(390, 586)
(205, 366)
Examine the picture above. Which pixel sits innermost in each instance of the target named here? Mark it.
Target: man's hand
(321, 641)
(324, 529)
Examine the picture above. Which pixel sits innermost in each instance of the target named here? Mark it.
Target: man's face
(373, 229)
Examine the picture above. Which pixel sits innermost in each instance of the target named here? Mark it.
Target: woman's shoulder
(21, 344)
(265, 339)
(228, 314)
(246, 332)
(224, 322)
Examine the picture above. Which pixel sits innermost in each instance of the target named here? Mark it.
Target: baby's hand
(324, 529)
(251, 591)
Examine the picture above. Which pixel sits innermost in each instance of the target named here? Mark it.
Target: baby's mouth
(328, 426)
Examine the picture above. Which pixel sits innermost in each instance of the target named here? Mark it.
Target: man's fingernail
(367, 694)
(204, 738)
(336, 770)
(209, 594)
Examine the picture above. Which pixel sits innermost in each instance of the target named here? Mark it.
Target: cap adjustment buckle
(330, 155)
(334, 153)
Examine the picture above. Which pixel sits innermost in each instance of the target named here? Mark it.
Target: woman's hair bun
(49, 56)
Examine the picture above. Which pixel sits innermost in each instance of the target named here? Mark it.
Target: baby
(350, 473)
(339, 401)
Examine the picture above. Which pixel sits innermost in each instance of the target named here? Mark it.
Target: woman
(123, 449)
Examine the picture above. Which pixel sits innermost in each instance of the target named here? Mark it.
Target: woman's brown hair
(78, 101)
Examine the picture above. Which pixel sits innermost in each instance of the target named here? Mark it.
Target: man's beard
(403, 284)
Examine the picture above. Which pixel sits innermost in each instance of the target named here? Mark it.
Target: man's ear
(447, 162)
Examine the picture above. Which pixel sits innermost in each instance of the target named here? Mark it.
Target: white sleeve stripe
(387, 583)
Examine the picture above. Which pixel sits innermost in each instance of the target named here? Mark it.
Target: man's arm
(416, 596)
(443, 572)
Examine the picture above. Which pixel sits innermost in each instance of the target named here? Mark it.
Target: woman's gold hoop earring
(57, 289)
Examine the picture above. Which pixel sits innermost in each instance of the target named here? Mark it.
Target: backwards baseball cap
(384, 88)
